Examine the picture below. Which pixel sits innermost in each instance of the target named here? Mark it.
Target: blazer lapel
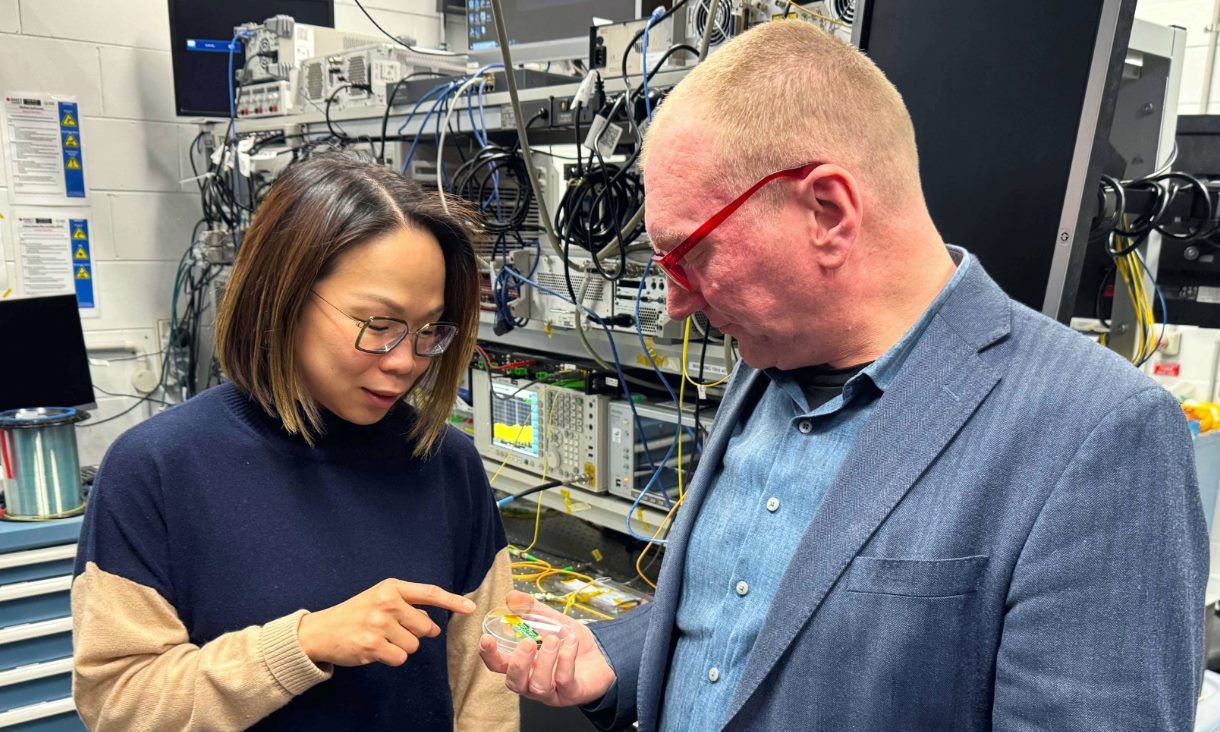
(943, 381)
(656, 654)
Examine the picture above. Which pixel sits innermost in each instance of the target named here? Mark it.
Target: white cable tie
(192, 179)
(584, 92)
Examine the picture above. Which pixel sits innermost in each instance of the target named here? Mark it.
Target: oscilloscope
(543, 429)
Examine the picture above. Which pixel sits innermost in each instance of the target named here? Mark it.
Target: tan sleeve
(481, 701)
(135, 668)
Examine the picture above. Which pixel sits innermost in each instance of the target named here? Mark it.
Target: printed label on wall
(82, 263)
(45, 149)
(55, 257)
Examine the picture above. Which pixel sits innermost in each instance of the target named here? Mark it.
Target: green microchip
(522, 630)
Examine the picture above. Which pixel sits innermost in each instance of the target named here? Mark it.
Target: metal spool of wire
(41, 470)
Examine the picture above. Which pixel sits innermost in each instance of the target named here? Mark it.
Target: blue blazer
(1015, 541)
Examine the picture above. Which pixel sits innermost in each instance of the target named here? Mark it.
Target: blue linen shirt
(759, 504)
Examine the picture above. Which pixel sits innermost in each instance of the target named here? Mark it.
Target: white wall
(1196, 16)
(114, 57)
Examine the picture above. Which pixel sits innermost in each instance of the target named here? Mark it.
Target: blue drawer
(35, 650)
(35, 608)
(35, 690)
(41, 570)
(36, 562)
(59, 723)
(56, 714)
(20, 535)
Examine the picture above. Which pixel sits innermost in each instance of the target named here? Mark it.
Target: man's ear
(833, 211)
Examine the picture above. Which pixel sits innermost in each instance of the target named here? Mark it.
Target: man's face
(738, 275)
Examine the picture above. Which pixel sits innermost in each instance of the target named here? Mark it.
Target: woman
(290, 550)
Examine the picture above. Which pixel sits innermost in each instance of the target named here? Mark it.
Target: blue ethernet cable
(652, 19)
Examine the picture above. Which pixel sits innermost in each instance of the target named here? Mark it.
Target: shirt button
(713, 675)
(805, 426)
(772, 504)
(743, 588)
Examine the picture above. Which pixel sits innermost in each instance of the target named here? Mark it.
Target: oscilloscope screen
(515, 419)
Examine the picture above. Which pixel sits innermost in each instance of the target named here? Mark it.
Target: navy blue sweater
(236, 523)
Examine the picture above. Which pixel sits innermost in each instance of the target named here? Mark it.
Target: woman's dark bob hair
(317, 210)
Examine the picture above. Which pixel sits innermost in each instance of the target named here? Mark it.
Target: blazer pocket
(915, 577)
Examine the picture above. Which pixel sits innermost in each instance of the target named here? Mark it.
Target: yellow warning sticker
(79, 234)
(69, 120)
(82, 274)
(71, 141)
(597, 555)
(73, 164)
(81, 253)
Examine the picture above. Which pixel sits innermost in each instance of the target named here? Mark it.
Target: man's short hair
(787, 93)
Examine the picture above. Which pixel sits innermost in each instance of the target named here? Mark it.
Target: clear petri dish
(509, 628)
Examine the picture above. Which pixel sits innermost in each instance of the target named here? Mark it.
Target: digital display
(514, 423)
(531, 21)
(200, 33)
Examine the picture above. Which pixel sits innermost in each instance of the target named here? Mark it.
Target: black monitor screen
(200, 32)
(48, 366)
(997, 93)
(530, 21)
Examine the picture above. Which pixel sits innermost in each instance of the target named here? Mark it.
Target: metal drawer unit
(36, 561)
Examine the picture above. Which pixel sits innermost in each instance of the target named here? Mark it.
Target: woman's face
(400, 275)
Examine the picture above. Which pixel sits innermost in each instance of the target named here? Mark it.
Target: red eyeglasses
(671, 262)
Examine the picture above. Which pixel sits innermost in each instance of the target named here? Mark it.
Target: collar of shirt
(877, 376)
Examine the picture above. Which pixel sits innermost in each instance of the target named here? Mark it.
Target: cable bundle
(597, 206)
(1125, 231)
(508, 288)
(1163, 188)
(190, 301)
(219, 202)
(480, 180)
(495, 180)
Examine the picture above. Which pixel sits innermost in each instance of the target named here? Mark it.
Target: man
(923, 505)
